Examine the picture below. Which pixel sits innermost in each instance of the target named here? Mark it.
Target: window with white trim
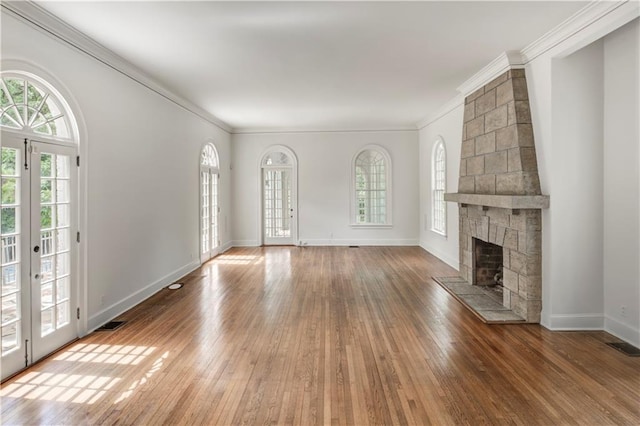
(372, 187)
(438, 188)
(29, 107)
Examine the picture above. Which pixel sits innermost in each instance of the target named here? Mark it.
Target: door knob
(36, 249)
(36, 276)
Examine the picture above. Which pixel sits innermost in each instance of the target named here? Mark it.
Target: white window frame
(388, 190)
(438, 188)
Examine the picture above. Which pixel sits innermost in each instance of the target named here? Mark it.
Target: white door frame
(294, 191)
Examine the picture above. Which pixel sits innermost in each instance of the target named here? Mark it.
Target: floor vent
(626, 348)
(175, 286)
(111, 326)
(354, 246)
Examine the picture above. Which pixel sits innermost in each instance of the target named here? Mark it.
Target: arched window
(209, 207)
(371, 199)
(29, 107)
(438, 188)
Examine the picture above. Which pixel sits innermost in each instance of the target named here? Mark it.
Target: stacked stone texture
(498, 152)
(499, 158)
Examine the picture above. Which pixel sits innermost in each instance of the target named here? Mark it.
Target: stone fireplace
(499, 195)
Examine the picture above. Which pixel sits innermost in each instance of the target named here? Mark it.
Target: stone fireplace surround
(499, 196)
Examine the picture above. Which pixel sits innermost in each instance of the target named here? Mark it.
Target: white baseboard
(134, 299)
(575, 322)
(622, 331)
(454, 262)
(373, 242)
(244, 243)
(226, 246)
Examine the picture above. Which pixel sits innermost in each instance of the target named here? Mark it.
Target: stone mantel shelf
(512, 202)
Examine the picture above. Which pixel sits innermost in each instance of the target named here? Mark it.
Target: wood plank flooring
(324, 335)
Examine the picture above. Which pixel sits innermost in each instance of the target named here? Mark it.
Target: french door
(39, 253)
(278, 206)
(210, 213)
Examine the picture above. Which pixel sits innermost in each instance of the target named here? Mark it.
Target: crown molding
(598, 18)
(503, 63)
(445, 109)
(52, 26)
(581, 20)
(284, 130)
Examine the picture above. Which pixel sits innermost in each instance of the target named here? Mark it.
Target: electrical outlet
(623, 311)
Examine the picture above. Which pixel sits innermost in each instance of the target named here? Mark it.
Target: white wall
(140, 159)
(324, 179)
(622, 182)
(449, 128)
(577, 96)
(575, 220)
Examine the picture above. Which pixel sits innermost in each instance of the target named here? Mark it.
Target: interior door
(39, 189)
(278, 212)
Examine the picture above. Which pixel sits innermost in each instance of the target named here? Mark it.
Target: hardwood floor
(338, 335)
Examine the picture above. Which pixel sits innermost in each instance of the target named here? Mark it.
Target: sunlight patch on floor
(107, 354)
(74, 388)
(157, 365)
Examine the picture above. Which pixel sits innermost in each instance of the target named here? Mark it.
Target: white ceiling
(313, 65)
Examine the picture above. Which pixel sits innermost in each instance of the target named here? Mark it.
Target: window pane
(10, 337)
(8, 216)
(63, 215)
(10, 308)
(47, 321)
(62, 314)
(9, 279)
(46, 295)
(9, 162)
(62, 289)
(9, 190)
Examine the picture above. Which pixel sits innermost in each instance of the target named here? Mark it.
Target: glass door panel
(14, 259)
(277, 206)
(38, 257)
(53, 186)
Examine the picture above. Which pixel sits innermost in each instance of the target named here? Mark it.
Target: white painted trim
(576, 23)
(284, 130)
(226, 246)
(595, 20)
(245, 243)
(454, 262)
(388, 193)
(503, 63)
(622, 331)
(139, 296)
(50, 25)
(445, 109)
(357, 242)
(575, 322)
(294, 189)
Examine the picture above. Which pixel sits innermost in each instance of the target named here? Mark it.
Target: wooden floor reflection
(326, 335)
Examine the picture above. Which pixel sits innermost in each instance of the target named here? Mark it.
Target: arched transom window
(438, 188)
(372, 181)
(29, 107)
(209, 157)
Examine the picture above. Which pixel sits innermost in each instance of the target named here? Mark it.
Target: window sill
(372, 225)
(441, 234)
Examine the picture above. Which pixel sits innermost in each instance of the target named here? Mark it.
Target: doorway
(279, 205)
(39, 254)
(209, 206)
